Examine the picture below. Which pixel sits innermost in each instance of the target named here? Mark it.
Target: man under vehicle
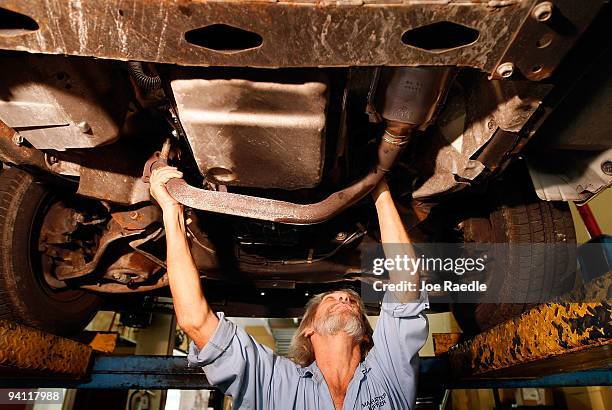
(338, 362)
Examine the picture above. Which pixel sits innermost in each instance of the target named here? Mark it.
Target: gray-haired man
(338, 361)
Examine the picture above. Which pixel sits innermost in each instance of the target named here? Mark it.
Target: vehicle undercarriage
(283, 117)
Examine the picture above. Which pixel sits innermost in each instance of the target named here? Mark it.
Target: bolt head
(340, 236)
(606, 167)
(84, 127)
(17, 139)
(505, 70)
(121, 277)
(134, 215)
(543, 11)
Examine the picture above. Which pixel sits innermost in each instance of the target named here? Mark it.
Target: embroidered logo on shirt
(376, 402)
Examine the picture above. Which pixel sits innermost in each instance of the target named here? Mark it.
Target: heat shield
(263, 131)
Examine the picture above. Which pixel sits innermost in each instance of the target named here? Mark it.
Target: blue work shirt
(259, 379)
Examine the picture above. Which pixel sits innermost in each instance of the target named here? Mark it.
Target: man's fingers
(163, 175)
(159, 178)
(156, 170)
(161, 171)
(168, 175)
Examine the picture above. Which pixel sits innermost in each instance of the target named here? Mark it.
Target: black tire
(516, 215)
(25, 296)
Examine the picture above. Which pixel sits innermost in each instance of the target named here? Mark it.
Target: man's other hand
(158, 180)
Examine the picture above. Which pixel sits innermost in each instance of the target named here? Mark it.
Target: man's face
(337, 302)
(339, 312)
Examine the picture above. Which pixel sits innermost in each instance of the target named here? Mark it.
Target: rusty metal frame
(582, 330)
(112, 235)
(12, 153)
(32, 350)
(344, 33)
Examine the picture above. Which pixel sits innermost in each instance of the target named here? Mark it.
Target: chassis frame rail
(528, 37)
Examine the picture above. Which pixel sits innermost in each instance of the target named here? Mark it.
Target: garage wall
(601, 206)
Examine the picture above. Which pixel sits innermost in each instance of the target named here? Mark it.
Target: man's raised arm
(401, 329)
(193, 313)
(395, 240)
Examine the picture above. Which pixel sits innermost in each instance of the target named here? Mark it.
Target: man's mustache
(342, 304)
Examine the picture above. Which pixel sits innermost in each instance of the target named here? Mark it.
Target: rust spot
(544, 331)
(185, 10)
(27, 348)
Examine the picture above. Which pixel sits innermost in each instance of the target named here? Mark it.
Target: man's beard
(347, 322)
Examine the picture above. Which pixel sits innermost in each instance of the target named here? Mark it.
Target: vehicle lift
(562, 343)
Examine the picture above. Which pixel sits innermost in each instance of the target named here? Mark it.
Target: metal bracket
(547, 33)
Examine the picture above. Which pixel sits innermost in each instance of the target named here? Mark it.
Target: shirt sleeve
(235, 363)
(400, 333)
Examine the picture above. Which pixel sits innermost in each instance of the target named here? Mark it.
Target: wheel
(512, 213)
(25, 294)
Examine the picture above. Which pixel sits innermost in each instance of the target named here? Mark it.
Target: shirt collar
(362, 371)
(313, 371)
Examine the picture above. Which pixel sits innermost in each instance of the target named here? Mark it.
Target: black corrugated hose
(145, 81)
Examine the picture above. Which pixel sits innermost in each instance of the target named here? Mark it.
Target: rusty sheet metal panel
(266, 132)
(110, 173)
(293, 33)
(25, 348)
(59, 103)
(112, 186)
(468, 129)
(546, 331)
